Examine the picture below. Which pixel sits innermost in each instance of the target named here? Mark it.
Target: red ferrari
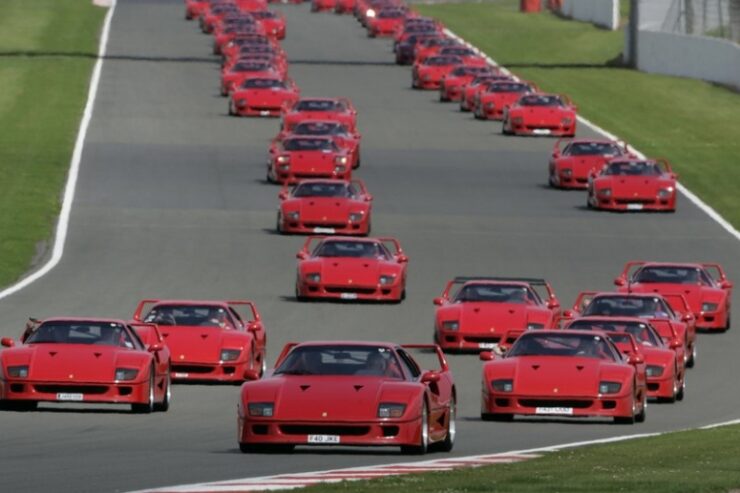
(661, 311)
(474, 313)
(664, 368)
(86, 360)
(705, 287)
(272, 22)
(351, 393)
(325, 207)
(540, 114)
(454, 83)
(430, 47)
(496, 97)
(631, 184)
(294, 158)
(470, 57)
(263, 97)
(471, 90)
(244, 45)
(348, 268)
(241, 71)
(333, 109)
(564, 373)
(386, 22)
(209, 340)
(195, 8)
(574, 160)
(428, 74)
(343, 137)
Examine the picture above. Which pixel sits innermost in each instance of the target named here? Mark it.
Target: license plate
(541, 131)
(567, 411)
(264, 113)
(348, 296)
(324, 230)
(70, 397)
(634, 207)
(323, 438)
(487, 345)
(182, 375)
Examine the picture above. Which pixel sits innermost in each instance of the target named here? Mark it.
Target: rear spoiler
(431, 348)
(529, 280)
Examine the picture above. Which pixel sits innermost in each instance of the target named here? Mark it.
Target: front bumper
(74, 392)
(351, 292)
(228, 371)
(619, 405)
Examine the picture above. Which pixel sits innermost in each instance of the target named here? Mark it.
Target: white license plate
(541, 131)
(324, 230)
(264, 113)
(634, 207)
(181, 375)
(323, 438)
(487, 345)
(348, 296)
(70, 397)
(567, 411)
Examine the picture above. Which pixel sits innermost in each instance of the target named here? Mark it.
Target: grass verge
(692, 123)
(47, 51)
(682, 462)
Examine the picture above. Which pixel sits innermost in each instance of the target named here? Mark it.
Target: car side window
(235, 316)
(409, 364)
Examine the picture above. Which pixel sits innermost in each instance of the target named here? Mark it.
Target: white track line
(74, 167)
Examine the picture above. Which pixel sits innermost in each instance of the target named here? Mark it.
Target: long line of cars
(604, 357)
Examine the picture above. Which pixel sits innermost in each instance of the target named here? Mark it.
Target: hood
(493, 317)
(270, 97)
(636, 186)
(312, 161)
(315, 209)
(582, 165)
(357, 271)
(693, 293)
(201, 344)
(543, 116)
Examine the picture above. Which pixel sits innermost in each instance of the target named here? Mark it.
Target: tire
(164, 406)
(682, 390)
(449, 442)
(279, 224)
(691, 362)
(503, 129)
(146, 407)
(298, 296)
(423, 445)
(728, 324)
(263, 366)
(627, 420)
(640, 417)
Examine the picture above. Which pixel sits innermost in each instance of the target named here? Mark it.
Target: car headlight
(518, 120)
(609, 387)
(283, 159)
(341, 160)
(535, 326)
(370, 13)
(264, 409)
(654, 371)
(503, 385)
(385, 280)
(124, 374)
(567, 172)
(391, 410)
(450, 325)
(339, 168)
(356, 217)
(230, 354)
(293, 216)
(18, 371)
(566, 121)
(664, 193)
(709, 307)
(313, 277)
(605, 192)
(242, 103)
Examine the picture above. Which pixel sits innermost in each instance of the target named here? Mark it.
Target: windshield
(341, 360)
(456, 50)
(508, 87)
(263, 84)
(628, 306)
(101, 334)
(593, 149)
(632, 168)
(190, 315)
(307, 144)
(250, 67)
(265, 14)
(320, 128)
(540, 100)
(583, 345)
(353, 249)
(437, 61)
(495, 293)
(390, 14)
(642, 332)
(462, 71)
(318, 105)
(339, 190)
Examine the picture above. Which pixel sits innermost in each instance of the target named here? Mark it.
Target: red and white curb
(300, 480)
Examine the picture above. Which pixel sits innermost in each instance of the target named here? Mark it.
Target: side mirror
(675, 343)
(439, 301)
(486, 356)
(254, 327)
(156, 347)
(302, 255)
(687, 317)
(553, 303)
(251, 375)
(726, 285)
(635, 359)
(368, 198)
(620, 281)
(401, 258)
(569, 314)
(430, 377)
(7, 342)
(283, 195)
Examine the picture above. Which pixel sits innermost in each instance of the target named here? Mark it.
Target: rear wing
(140, 308)
(428, 352)
(251, 309)
(628, 272)
(583, 300)
(509, 338)
(285, 352)
(717, 272)
(148, 333)
(454, 285)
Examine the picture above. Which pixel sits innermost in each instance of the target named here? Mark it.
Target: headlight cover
(262, 409)
(605, 192)
(535, 326)
(18, 371)
(391, 410)
(293, 216)
(709, 307)
(503, 385)
(126, 374)
(451, 325)
(654, 371)
(356, 217)
(313, 277)
(386, 280)
(230, 354)
(609, 387)
(665, 193)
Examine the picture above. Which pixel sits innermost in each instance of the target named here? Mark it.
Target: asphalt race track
(172, 202)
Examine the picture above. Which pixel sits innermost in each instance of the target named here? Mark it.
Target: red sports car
(454, 83)
(325, 207)
(272, 22)
(334, 109)
(257, 52)
(476, 312)
(632, 184)
(343, 137)
(296, 157)
(564, 373)
(471, 90)
(705, 287)
(86, 360)
(241, 71)
(263, 97)
(665, 370)
(195, 8)
(351, 393)
(540, 114)
(216, 341)
(230, 28)
(232, 50)
(574, 160)
(470, 57)
(214, 14)
(496, 97)
(386, 22)
(431, 47)
(428, 74)
(405, 48)
(661, 311)
(348, 268)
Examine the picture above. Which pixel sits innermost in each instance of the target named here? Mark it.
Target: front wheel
(423, 445)
(628, 420)
(165, 404)
(449, 441)
(691, 362)
(148, 406)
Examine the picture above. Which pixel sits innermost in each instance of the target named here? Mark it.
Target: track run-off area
(171, 202)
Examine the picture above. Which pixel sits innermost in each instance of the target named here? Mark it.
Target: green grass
(691, 461)
(47, 50)
(692, 123)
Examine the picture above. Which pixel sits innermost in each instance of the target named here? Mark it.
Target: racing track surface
(171, 203)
